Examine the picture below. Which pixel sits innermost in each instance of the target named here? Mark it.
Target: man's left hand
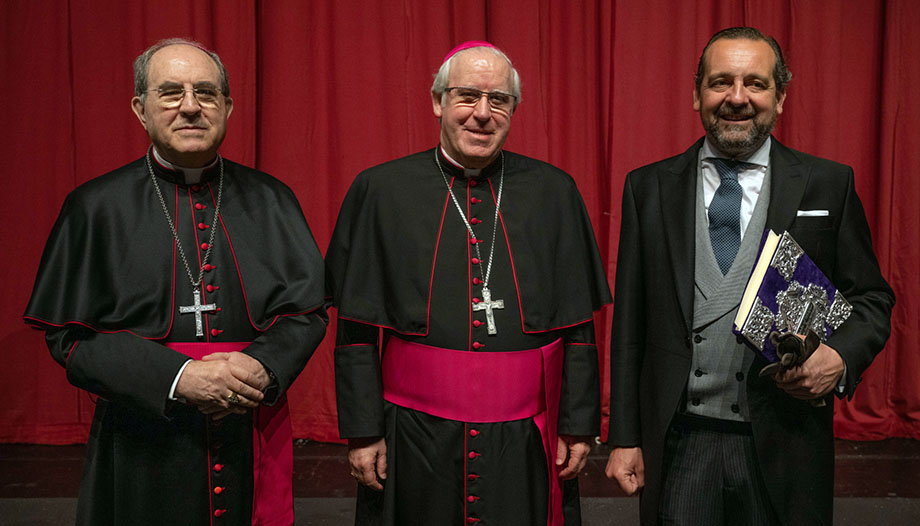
(576, 450)
(815, 378)
(259, 378)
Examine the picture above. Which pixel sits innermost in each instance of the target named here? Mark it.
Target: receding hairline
(779, 72)
(706, 58)
(199, 49)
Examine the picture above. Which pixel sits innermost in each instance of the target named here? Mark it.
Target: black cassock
(401, 259)
(107, 294)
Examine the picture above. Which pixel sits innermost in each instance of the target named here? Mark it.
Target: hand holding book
(814, 378)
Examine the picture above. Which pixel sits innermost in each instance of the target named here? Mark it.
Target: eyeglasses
(498, 100)
(171, 97)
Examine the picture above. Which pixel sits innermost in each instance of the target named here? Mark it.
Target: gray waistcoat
(716, 386)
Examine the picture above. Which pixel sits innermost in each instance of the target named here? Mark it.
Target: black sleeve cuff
(359, 391)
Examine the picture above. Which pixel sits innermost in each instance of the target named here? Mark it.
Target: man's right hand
(208, 384)
(625, 465)
(368, 459)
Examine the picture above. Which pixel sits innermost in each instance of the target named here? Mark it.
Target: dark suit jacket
(653, 305)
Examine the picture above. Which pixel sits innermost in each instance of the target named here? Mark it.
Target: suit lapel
(789, 176)
(677, 188)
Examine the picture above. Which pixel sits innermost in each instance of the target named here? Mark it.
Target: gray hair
(781, 74)
(142, 65)
(439, 86)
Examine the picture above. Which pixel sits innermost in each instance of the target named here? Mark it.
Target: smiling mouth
(735, 118)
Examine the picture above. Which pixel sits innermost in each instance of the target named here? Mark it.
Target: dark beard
(737, 148)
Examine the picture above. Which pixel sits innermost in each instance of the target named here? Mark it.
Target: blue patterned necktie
(725, 213)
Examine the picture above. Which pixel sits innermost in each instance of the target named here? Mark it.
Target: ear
(229, 104)
(696, 99)
(780, 99)
(137, 106)
(436, 105)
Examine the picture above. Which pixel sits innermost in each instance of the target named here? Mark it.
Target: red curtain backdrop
(326, 88)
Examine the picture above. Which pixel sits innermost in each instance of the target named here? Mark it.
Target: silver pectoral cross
(197, 309)
(487, 305)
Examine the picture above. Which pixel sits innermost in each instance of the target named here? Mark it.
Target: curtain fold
(326, 88)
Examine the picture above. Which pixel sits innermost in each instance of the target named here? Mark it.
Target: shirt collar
(189, 175)
(761, 157)
(468, 172)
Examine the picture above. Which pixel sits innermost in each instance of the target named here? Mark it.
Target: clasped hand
(209, 382)
(814, 378)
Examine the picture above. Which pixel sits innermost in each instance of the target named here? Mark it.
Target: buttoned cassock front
(402, 259)
(107, 295)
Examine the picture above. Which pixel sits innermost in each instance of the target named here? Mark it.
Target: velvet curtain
(325, 88)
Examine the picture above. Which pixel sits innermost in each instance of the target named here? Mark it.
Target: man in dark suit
(709, 440)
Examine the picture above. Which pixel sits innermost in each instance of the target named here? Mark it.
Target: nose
(738, 95)
(482, 111)
(189, 103)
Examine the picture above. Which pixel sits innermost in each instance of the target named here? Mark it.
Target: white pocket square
(811, 213)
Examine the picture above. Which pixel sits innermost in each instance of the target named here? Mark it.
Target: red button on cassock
(218, 513)
(475, 261)
(472, 476)
(218, 490)
(199, 206)
(475, 201)
(218, 467)
(476, 300)
(215, 332)
(473, 241)
(472, 498)
(474, 182)
(475, 221)
(212, 288)
(473, 454)
(477, 345)
(476, 323)
(474, 432)
(476, 281)
(472, 520)
(202, 226)
(209, 267)
(204, 246)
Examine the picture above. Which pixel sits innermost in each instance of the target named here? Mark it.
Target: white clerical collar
(469, 172)
(191, 175)
(761, 157)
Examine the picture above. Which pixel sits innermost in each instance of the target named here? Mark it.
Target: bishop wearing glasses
(479, 398)
(185, 292)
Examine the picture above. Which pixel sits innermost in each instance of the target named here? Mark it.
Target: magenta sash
(482, 387)
(272, 447)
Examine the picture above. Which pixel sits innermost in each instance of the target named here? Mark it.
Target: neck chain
(487, 304)
(197, 308)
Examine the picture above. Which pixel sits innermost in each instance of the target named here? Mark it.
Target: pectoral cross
(197, 309)
(487, 305)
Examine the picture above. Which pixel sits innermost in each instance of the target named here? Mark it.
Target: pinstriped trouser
(711, 478)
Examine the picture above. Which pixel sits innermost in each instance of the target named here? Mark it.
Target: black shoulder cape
(110, 260)
(380, 259)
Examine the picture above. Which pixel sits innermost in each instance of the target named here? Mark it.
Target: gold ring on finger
(234, 397)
